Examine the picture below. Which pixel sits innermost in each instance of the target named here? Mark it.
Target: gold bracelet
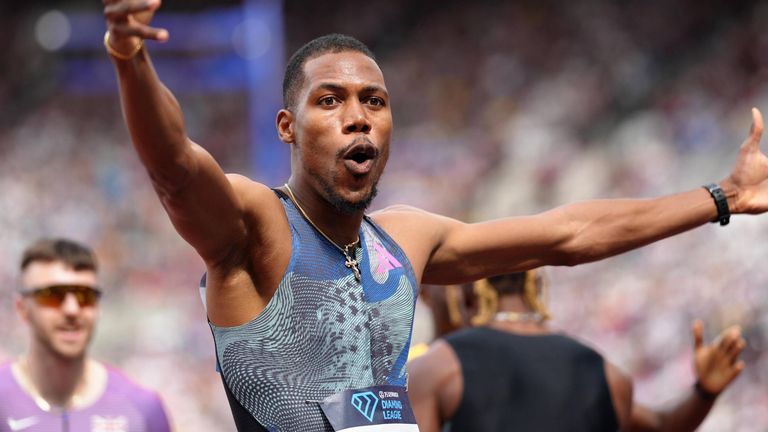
(114, 53)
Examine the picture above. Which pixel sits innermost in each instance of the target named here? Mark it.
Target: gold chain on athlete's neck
(349, 262)
(510, 316)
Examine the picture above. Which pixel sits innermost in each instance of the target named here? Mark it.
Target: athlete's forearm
(155, 121)
(599, 229)
(685, 415)
(568, 235)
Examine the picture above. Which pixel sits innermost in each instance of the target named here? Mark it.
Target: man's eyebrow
(375, 89)
(330, 86)
(336, 88)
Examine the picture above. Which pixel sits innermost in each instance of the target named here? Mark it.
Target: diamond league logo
(365, 403)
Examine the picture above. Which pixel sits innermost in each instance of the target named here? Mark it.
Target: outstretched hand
(128, 22)
(717, 364)
(749, 177)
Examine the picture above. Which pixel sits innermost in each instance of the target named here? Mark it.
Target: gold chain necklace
(349, 262)
(518, 316)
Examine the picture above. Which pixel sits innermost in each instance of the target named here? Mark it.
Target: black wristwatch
(723, 212)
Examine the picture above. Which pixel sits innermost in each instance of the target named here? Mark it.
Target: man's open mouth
(359, 158)
(361, 152)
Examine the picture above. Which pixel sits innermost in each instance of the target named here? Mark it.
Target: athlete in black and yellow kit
(512, 372)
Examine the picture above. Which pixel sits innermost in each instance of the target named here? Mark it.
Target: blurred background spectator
(501, 108)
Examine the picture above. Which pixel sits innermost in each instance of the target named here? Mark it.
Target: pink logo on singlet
(387, 262)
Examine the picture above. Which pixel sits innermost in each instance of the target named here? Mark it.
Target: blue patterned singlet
(322, 332)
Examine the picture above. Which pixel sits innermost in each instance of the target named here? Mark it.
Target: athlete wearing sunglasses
(55, 386)
(55, 295)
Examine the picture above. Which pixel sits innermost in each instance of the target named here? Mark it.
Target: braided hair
(526, 284)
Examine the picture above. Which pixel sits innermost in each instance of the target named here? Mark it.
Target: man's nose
(356, 119)
(70, 305)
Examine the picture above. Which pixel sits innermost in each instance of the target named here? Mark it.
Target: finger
(698, 334)
(730, 346)
(728, 339)
(755, 131)
(140, 30)
(736, 349)
(122, 9)
(737, 368)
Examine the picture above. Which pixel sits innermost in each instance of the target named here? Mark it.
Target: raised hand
(128, 23)
(717, 364)
(749, 177)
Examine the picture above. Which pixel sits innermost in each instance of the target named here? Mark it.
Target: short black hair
(75, 255)
(330, 43)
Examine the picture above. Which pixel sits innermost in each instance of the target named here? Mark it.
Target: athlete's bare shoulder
(621, 389)
(435, 385)
(256, 199)
(248, 189)
(438, 363)
(398, 209)
(418, 232)
(406, 217)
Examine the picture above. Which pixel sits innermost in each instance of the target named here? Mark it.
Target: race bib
(373, 409)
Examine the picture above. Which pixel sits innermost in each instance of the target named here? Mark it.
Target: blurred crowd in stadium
(501, 108)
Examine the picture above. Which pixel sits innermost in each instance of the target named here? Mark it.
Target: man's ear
(21, 309)
(285, 126)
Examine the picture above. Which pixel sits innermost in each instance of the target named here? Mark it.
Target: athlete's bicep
(447, 251)
(470, 251)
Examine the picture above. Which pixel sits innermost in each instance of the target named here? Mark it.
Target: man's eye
(328, 101)
(375, 101)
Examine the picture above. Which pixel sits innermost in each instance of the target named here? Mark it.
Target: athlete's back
(545, 382)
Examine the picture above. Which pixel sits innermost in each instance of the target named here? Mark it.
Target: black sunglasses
(54, 295)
